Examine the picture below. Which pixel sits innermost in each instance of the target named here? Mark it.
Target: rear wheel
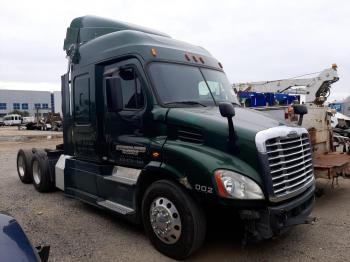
(41, 174)
(24, 165)
(174, 222)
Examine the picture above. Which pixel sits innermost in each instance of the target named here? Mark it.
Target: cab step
(116, 207)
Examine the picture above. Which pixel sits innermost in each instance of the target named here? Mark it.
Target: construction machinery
(278, 97)
(316, 89)
(51, 121)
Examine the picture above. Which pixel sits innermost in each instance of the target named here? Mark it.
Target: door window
(132, 94)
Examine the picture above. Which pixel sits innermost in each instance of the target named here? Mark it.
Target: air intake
(190, 135)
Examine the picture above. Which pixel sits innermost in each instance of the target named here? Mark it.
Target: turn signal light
(155, 154)
(221, 189)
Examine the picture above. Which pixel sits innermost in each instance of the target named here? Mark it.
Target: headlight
(234, 185)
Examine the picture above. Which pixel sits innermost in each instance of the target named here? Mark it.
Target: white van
(12, 120)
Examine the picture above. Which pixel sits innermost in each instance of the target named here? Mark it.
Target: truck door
(125, 130)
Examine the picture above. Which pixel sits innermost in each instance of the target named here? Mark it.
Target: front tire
(41, 174)
(174, 222)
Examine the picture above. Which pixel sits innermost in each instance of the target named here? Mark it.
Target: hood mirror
(227, 110)
(300, 110)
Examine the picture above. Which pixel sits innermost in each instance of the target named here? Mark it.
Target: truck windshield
(190, 86)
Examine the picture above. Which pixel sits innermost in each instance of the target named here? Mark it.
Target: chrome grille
(290, 164)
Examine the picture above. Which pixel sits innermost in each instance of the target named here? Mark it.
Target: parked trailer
(153, 133)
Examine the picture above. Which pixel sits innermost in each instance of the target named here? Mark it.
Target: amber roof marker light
(153, 52)
(187, 57)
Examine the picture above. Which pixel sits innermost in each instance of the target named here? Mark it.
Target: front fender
(197, 163)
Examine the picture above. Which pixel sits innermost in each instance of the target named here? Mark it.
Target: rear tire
(174, 222)
(41, 173)
(24, 165)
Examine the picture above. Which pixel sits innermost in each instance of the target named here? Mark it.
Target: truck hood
(213, 128)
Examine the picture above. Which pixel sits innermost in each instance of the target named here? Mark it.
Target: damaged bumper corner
(274, 220)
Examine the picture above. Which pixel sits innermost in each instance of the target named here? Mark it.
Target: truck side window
(132, 94)
(81, 91)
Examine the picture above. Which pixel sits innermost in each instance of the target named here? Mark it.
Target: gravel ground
(79, 232)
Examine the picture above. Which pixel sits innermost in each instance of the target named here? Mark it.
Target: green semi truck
(153, 133)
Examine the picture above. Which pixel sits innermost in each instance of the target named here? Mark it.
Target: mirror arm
(233, 148)
(300, 122)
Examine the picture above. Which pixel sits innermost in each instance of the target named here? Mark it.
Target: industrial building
(34, 102)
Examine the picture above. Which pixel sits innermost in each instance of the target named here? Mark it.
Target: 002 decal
(204, 189)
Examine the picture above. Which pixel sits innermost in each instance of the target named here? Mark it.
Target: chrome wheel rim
(36, 172)
(165, 220)
(21, 165)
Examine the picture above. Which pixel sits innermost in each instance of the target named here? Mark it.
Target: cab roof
(93, 40)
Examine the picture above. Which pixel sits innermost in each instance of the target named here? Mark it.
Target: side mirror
(127, 73)
(114, 94)
(227, 109)
(300, 110)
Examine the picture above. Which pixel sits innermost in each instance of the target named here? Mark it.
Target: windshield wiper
(186, 103)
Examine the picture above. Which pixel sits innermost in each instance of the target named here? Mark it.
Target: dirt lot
(78, 232)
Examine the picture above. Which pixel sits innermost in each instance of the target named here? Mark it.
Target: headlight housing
(233, 185)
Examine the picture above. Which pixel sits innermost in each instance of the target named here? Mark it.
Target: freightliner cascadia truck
(152, 132)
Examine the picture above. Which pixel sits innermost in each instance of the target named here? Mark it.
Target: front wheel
(174, 222)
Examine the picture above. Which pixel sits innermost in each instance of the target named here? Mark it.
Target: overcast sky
(254, 40)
